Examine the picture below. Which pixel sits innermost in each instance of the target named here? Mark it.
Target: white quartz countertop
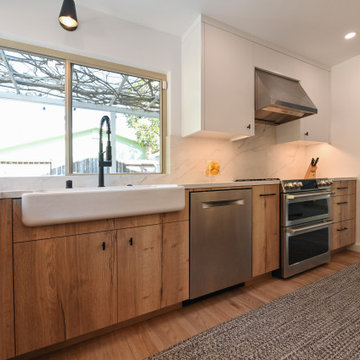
(10, 194)
(344, 178)
(13, 193)
(230, 184)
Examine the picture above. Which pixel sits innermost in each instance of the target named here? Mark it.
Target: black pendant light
(67, 17)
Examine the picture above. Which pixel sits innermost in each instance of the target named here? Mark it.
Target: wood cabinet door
(64, 287)
(175, 263)
(7, 344)
(265, 229)
(139, 271)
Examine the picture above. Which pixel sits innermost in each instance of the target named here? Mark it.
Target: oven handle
(310, 227)
(298, 196)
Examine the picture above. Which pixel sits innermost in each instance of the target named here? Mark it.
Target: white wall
(99, 36)
(342, 157)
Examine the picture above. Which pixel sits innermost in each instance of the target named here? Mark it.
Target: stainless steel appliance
(279, 99)
(220, 240)
(305, 224)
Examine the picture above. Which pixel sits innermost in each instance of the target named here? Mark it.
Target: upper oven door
(300, 208)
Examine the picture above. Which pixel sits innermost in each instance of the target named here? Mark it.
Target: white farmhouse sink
(85, 204)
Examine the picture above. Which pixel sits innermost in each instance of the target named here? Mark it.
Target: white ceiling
(312, 28)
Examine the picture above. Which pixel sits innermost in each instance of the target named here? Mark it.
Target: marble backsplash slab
(255, 157)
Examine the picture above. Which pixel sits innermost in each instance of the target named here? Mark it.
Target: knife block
(311, 172)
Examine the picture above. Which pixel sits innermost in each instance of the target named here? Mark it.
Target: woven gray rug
(318, 321)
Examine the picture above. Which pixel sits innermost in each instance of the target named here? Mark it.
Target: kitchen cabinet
(343, 213)
(218, 65)
(343, 187)
(316, 83)
(7, 342)
(153, 267)
(72, 279)
(64, 287)
(265, 229)
(342, 234)
(175, 263)
(218, 83)
(139, 271)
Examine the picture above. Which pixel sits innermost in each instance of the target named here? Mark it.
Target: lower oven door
(304, 247)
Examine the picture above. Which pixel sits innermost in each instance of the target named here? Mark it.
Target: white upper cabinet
(218, 83)
(316, 83)
(218, 79)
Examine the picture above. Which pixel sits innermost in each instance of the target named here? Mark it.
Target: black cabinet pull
(131, 242)
(273, 194)
(343, 229)
(342, 203)
(342, 188)
(307, 133)
(249, 126)
(103, 245)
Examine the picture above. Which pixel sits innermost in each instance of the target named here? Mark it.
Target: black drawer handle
(342, 203)
(343, 229)
(131, 242)
(268, 194)
(103, 246)
(342, 188)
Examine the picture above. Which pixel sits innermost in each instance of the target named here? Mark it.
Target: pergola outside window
(50, 111)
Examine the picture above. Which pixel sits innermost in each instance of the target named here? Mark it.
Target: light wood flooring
(139, 341)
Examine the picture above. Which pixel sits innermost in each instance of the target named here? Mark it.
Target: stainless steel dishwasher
(220, 240)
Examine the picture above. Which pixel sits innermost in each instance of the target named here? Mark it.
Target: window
(133, 106)
(51, 107)
(32, 99)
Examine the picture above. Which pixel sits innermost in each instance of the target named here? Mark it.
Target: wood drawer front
(343, 208)
(342, 234)
(135, 221)
(345, 187)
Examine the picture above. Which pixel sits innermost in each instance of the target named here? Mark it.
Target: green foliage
(147, 132)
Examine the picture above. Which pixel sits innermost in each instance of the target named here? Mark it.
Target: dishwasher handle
(211, 204)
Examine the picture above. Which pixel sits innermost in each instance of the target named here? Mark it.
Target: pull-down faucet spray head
(102, 162)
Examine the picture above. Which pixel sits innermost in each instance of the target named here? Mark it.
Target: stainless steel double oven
(305, 225)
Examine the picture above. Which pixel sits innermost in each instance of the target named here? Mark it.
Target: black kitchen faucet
(102, 162)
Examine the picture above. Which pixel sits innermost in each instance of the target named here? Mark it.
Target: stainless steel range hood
(279, 99)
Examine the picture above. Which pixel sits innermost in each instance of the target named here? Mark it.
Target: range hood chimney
(279, 99)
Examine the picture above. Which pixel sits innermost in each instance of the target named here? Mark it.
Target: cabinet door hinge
(164, 85)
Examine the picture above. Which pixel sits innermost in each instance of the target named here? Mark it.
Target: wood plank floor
(139, 341)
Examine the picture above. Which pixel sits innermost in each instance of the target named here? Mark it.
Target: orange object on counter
(212, 168)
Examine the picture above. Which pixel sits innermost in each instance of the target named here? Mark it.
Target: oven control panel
(323, 182)
(301, 185)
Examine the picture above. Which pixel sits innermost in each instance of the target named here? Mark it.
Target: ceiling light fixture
(67, 18)
(350, 35)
